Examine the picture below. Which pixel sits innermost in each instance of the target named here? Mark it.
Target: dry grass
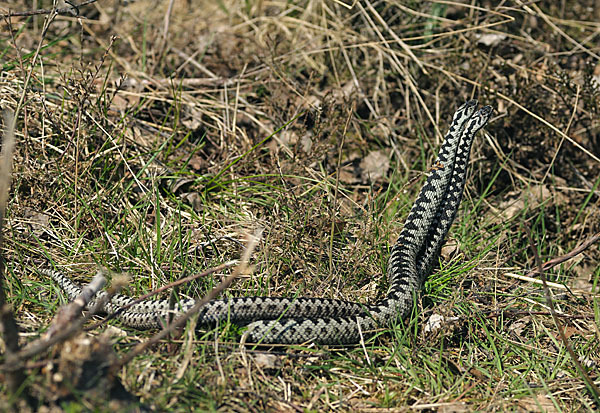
(154, 152)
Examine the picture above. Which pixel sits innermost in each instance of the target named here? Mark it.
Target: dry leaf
(265, 361)
(539, 403)
(374, 166)
(491, 39)
(530, 198)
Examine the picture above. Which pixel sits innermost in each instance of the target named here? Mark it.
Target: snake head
(480, 118)
(464, 112)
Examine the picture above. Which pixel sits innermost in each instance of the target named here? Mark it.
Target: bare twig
(8, 326)
(167, 22)
(558, 260)
(594, 390)
(72, 10)
(44, 343)
(180, 321)
(337, 186)
(161, 289)
(72, 311)
(8, 147)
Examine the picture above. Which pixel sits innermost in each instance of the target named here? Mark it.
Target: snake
(297, 320)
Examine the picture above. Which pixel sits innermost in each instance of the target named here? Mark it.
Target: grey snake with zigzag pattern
(327, 321)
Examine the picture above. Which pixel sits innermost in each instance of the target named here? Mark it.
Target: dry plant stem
(180, 321)
(504, 313)
(64, 10)
(43, 344)
(594, 390)
(337, 185)
(558, 260)
(166, 24)
(398, 40)
(47, 22)
(82, 99)
(8, 326)
(401, 69)
(23, 73)
(161, 289)
(72, 311)
(539, 12)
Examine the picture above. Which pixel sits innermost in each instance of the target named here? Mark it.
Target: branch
(180, 321)
(540, 270)
(44, 343)
(72, 311)
(159, 290)
(558, 260)
(8, 326)
(73, 10)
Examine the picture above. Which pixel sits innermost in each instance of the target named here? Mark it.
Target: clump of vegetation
(151, 140)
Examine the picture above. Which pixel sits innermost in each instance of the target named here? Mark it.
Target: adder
(271, 320)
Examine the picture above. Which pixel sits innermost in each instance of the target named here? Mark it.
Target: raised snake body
(327, 321)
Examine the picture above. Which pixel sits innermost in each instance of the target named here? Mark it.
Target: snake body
(273, 320)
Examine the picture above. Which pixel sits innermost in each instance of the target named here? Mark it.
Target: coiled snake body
(327, 321)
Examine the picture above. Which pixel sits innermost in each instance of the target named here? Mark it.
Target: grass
(157, 158)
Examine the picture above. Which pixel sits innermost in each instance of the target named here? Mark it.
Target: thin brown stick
(44, 343)
(65, 10)
(167, 22)
(594, 390)
(337, 186)
(180, 321)
(161, 289)
(8, 326)
(72, 311)
(558, 260)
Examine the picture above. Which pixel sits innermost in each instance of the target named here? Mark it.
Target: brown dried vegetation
(152, 140)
